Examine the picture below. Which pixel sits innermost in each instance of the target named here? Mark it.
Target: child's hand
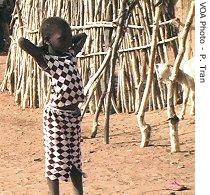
(78, 42)
(78, 37)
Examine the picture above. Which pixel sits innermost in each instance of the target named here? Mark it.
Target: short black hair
(2, 3)
(50, 23)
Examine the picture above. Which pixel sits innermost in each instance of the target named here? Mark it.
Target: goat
(185, 76)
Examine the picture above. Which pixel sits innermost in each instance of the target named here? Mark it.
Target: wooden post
(124, 14)
(172, 118)
(145, 128)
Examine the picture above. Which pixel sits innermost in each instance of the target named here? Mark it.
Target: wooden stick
(172, 118)
(145, 128)
(122, 20)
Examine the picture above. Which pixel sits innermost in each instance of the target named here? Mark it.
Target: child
(62, 133)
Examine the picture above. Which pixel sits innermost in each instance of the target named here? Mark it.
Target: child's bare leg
(53, 186)
(76, 178)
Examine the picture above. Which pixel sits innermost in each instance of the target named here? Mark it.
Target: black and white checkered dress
(62, 132)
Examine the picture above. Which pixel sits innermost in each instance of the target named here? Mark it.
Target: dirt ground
(120, 168)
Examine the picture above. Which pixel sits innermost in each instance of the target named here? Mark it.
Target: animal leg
(192, 112)
(184, 104)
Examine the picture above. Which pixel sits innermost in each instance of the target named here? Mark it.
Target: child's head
(56, 33)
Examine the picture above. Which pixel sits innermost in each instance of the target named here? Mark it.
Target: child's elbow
(21, 42)
(84, 35)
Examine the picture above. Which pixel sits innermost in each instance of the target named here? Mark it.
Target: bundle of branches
(29, 84)
(118, 58)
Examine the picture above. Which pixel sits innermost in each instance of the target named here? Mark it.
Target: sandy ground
(120, 168)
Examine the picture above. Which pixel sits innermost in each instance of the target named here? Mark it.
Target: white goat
(185, 76)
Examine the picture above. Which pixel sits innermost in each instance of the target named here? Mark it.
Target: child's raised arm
(78, 42)
(34, 51)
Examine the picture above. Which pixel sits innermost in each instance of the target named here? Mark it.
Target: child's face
(61, 39)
